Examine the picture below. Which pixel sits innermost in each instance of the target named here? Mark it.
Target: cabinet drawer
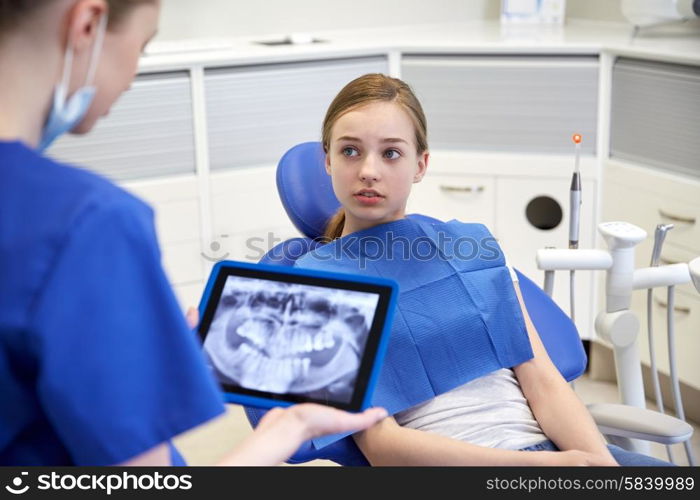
(176, 205)
(177, 221)
(685, 218)
(520, 239)
(183, 262)
(445, 197)
(251, 246)
(245, 200)
(148, 133)
(624, 203)
(188, 295)
(646, 198)
(687, 333)
(637, 195)
(672, 254)
(506, 104)
(256, 113)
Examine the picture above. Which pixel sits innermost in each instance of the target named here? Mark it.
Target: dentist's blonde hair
(367, 89)
(14, 12)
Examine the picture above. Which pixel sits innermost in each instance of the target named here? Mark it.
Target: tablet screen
(292, 337)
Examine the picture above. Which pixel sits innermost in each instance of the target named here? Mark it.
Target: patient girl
(375, 139)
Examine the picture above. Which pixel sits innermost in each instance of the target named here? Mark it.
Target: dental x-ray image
(288, 338)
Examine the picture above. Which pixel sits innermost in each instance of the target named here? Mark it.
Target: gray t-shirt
(489, 411)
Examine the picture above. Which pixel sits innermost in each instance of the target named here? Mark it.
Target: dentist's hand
(282, 430)
(192, 317)
(314, 420)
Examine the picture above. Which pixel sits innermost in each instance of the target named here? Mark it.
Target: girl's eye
(348, 151)
(391, 154)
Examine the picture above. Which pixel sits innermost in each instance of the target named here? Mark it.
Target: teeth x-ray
(289, 338)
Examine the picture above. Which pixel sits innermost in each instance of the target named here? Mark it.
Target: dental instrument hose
(659, 237)
(674, 374)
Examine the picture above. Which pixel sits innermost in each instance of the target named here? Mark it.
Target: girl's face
(118, 60)
(373, 162)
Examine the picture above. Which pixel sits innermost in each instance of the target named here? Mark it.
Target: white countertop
(680, 44)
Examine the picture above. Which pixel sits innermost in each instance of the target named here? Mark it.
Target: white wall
(596, 10)
(611, 10)
(223, 18)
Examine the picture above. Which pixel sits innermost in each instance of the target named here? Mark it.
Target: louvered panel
(256, 113)
(523, 104)
(656, 115)
(148, 133)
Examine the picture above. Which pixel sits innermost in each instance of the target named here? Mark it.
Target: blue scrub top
(97, 364)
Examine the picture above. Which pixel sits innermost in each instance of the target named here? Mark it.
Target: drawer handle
(462, 189)
(680, 309)
(677, 218)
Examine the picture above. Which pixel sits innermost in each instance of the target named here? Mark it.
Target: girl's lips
(368, 200)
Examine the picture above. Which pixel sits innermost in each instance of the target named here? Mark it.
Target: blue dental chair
(307, 195)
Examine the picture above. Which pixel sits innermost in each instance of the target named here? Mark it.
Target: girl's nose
(369, 170)
(369, 177)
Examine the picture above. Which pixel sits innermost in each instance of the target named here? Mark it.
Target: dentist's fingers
(321, 420)
(192, 317)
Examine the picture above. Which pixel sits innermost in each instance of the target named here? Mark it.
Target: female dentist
(97, 364)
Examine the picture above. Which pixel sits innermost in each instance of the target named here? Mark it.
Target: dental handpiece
(575, 197)
(659, 237)
(574, 221)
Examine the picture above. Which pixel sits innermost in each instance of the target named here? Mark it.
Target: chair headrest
(305, 188)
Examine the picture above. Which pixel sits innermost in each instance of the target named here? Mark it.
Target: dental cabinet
(652, 176)
(147, 144)
(200, 132)
(254, 114)
(646, 197)
(200, 145)
(510, 117)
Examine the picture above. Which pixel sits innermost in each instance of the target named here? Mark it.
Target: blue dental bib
(458, 317)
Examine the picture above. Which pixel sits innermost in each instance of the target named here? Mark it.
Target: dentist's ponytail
(13, 13)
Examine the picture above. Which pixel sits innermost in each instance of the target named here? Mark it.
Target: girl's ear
(422, 166)
(328, 163)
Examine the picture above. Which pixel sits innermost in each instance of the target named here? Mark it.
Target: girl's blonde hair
(370, 88)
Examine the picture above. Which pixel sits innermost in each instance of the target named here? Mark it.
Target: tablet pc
(275, 336)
